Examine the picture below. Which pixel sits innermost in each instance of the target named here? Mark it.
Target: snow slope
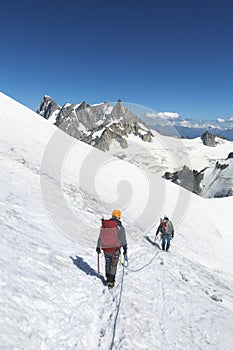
(54, 190)
(218, 180)
(166, 153)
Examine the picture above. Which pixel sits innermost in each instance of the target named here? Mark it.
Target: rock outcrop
(230, 155)
(209, 139)
(187, 178)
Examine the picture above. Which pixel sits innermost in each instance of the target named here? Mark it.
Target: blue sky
(166, 55)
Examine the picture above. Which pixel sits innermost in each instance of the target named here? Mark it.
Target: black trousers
(111, 261)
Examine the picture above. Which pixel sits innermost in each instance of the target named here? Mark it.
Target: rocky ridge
(97, 125)
(211, 182)
(187, 178)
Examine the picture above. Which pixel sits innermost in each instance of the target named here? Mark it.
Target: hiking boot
(111, 285)
(111, 278)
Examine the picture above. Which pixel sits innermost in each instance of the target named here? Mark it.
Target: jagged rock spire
(47, 107)
(97, 125)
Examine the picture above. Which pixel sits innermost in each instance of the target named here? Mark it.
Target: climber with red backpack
(111, 239)
(167, 232)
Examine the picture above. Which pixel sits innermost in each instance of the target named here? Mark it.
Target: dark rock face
(230, 155)
(47, 107)
(187, 178)
(97, 125)
(209, 139)
(103, 136)
(221, 166)
(72, 115)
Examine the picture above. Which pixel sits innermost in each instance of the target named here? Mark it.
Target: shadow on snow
(148, 239)
(83, 266)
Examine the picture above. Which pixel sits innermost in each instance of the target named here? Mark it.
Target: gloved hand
(125, 249)
(125, 257)
(98, 250)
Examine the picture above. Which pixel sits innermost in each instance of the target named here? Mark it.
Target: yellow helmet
(116, 214)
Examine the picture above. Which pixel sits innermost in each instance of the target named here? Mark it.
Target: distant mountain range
(191, 132)
(187, 129)
(166, 123)
(194, 165)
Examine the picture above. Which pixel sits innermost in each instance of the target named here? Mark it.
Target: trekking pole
(98, 263)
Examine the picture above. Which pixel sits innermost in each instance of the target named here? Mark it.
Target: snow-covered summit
(51, 296)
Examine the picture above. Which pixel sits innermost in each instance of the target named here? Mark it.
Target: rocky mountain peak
(83, 105)
(47, 107)
(97, 125)
(209, 139)
(118, 111)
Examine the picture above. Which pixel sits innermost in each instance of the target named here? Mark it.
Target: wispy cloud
(163, 115)
(225, 120)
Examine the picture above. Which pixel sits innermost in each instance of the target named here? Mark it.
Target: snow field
(51, 296)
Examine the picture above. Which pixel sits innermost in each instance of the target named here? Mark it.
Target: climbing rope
(117, 308)
(144, 266)
(125, 266)
(121, 290)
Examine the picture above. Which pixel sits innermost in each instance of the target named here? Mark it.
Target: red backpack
(164, 226)
(109, 235)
